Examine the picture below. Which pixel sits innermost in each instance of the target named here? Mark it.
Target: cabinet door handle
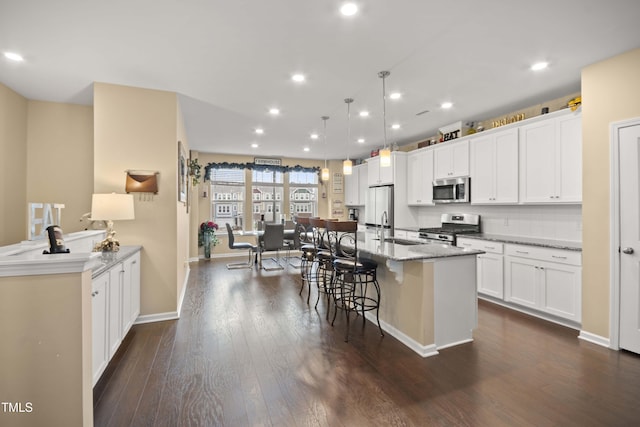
(489, 247)
(466, 244)
(558, 257)
(522, 252)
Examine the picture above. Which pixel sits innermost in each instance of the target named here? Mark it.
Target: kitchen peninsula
(428, 291)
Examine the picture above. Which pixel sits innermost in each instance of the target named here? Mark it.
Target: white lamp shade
(347, 167)
(385, 157)
(325, 174)
(114, 207)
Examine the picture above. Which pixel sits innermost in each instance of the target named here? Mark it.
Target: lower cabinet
(99, 327)
(489, 267)
(115, 307)
(546, 280)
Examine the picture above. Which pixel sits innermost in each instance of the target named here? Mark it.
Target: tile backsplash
(558, 222)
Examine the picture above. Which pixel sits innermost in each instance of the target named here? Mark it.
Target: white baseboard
(594, 339)
(158, 317)
(422, 350)
(169, 315)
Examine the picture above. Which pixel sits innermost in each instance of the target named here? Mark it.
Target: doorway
(625, 235)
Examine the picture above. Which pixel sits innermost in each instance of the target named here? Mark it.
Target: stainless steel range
(451, 226)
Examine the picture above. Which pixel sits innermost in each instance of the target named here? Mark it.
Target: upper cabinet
(378, 175)
(356, 185)
(451, 160)
(420, 177)
(551, 160)
(494, 168)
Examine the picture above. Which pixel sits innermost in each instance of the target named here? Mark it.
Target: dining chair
(240, 246)
(272, 240)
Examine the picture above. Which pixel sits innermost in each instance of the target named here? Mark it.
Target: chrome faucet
(384, 219)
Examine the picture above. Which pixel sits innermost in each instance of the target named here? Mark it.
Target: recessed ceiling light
(395, 126)
(395, 95)
(298, 78)
(13, 56)
(364, 114)
(259, 131)
(349, 9)
(306, 148)
(446, 105)
(361, 140)
(254, 145)
(314, 136)
(274, 111)
(539, 66)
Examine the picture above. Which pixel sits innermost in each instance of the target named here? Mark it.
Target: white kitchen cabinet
(115, 307)
(356, 186)
(130, 292)
(352, 188)
(549, 280)
(378, 175)
(489, 268)
(420, 177)
(551, 160)
(99, 325)
(494, 168)
(451, 159)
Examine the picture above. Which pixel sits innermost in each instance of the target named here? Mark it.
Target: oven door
(454, 190)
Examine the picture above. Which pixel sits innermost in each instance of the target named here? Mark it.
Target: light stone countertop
(368, 244)
(531, 241)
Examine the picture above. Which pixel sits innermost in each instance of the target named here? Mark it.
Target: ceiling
(230, 61)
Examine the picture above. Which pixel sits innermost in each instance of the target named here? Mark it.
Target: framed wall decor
(183, 172)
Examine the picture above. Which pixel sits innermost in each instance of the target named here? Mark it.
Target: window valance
(254, 166)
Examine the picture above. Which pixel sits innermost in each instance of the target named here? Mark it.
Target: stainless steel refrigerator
(379, 200)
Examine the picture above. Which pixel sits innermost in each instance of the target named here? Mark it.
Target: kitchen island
(428, 292)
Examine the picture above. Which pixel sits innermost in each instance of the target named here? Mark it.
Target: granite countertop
(368, 244)
(107, 260)
(531, 241)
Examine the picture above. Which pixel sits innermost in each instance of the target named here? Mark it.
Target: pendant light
(347, 165)
(385, 153)
(324, 176)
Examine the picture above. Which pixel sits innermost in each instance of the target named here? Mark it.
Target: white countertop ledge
(39, 264)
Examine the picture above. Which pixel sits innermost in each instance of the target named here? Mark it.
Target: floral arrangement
(208, 228)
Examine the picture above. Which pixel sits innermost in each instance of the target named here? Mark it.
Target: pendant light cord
(383, 75)
(325, 118)
(348, 102)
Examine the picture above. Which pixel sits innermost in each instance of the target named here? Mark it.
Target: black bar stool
(304, 233)
(323, 259)
(355, 284)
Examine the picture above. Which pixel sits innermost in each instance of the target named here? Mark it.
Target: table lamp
(111, 207)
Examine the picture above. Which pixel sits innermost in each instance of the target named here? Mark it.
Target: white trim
(594, 339)
(184, 290)
(422, 350)
(614, 230)
(442, 347)
(532, 312)
(39, 264)
(158, 317)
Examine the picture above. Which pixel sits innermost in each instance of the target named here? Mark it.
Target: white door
(629, 150)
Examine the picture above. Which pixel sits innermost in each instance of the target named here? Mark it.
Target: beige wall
(609, 93)
(138, 129)
(50, 366)
(60, 158)
(13, 166)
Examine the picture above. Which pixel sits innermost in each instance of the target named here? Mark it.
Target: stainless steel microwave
(451, 190)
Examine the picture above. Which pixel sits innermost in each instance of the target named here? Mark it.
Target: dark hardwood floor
(249, 351)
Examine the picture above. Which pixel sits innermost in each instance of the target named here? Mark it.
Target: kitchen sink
(402, 241)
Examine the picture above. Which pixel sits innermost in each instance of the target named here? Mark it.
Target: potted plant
(207, 237)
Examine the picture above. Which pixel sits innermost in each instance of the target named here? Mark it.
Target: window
(227, 197)
(267, 194)
(303, 192)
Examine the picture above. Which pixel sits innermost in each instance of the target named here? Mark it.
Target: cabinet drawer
(481, 245)
(545, 254)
